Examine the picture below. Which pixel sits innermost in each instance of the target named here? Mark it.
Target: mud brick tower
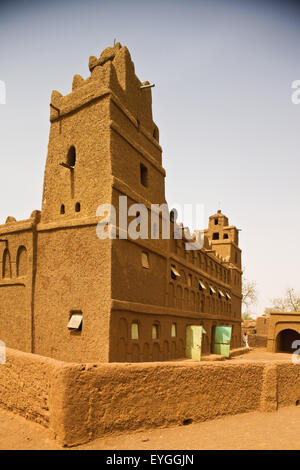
(65, 293)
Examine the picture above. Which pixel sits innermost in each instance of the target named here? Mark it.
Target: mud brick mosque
(66, 294)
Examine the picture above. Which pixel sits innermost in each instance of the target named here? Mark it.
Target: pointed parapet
(145, 108)
(10, 220)
(93, 62)
(107, 54)
(77, 81)
(35, 216)
(125, 70)
(55, 104)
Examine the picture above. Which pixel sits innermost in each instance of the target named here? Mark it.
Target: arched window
(179, 297)
(22, 261)
(154, 331)
(134, 330)
(6, 265)
(71, 157)
(62, 209)
(77, 207)
(171, 295)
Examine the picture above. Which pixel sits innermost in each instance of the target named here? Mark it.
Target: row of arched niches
(18, 260)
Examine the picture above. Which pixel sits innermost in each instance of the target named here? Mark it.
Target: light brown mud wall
(73, 275)
(30, 386)
(79, 402)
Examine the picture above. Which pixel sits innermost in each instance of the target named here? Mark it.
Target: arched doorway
(285, 340)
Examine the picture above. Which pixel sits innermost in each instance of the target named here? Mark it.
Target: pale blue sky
(229, 131)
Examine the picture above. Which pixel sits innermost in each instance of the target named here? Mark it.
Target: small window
(174, 273)
(62, 209)
(190, 280)
(71, 157)
(201, 285)
(221, 294)
(216, 236)
(211, 290)
(216, 221)
(228, 296)
(154, 331)
(75, 322)
(134, 330)
(144, 175)
(77, 207)
(173, 330)
(225, 235)
(145, 260)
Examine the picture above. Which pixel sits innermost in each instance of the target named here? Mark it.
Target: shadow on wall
(21, 263)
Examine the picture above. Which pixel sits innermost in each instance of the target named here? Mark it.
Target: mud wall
(79, 402)
(30, 386)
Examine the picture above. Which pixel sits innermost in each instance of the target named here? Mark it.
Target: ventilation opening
(144, 175)
(145, 260)
(75, 321)
(71, 157)
(174, 273)
(62, 209)
(77, 207)
(186, 422)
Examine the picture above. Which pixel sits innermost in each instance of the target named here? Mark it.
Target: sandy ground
(273, 431)
(259, 354)
(279, 430)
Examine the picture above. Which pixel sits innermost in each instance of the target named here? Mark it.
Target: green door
(193, 342)
(222, 340)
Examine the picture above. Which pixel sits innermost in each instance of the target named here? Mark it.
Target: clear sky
(223, 72)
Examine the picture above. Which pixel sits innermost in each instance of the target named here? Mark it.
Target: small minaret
(224, 238)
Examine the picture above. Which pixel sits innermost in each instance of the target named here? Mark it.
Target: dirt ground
(279, 430)
(265, 431)
(258, 354)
